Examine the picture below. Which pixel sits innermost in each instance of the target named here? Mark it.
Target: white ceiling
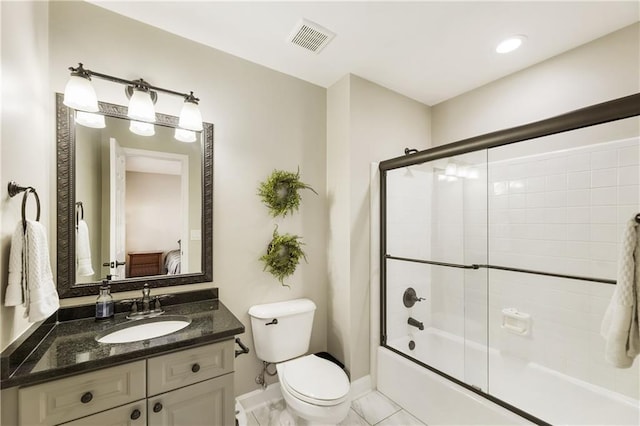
(430, 50)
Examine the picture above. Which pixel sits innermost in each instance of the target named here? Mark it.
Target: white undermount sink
(143, 329)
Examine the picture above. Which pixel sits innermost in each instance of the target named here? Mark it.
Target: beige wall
(380, 124)
(263, 120)
(604, 69)
(338, 193)
(154, 210)
(25, 134)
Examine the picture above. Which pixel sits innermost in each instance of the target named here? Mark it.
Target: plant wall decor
(280, 192)
(283, 255)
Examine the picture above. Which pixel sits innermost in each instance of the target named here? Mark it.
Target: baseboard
(361, 386)
(258, 397)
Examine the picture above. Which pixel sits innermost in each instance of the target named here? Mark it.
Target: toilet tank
(282, 330)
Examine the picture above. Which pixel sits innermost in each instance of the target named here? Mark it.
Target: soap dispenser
(104, 302)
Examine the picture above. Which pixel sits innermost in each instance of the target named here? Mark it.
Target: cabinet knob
(135, 414)
(86, 398)
(157, 407)
(195, 367)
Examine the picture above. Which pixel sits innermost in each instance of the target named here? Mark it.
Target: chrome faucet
(146, 303)
(415, 323)
(145, 298)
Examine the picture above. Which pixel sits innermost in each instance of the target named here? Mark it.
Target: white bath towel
(14, 295)
(620, 326)
(37, 289)
(83, 250)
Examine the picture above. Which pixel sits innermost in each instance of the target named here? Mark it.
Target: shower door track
(503, 268)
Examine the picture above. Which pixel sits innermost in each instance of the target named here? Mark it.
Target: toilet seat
(314, 380)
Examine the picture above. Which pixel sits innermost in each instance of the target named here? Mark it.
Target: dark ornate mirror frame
(65, 189)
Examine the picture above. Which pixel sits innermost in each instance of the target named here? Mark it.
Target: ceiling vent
(310, 36)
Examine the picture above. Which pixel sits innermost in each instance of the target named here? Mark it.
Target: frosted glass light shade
(80, 95)
(142, 129)
(185, 135)
(190, 117)
(141, 107)
(89, 119)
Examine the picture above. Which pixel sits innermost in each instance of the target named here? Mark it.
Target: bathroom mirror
(143, 205)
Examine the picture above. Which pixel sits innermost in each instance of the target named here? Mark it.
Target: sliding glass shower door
(436, 221)
(498, 264)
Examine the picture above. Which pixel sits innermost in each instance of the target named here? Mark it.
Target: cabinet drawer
(121, 416)
(61, 400)
(190, 366)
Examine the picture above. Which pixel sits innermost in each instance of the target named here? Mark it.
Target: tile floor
(370, 409)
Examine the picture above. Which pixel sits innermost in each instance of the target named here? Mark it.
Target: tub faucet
(415, 323)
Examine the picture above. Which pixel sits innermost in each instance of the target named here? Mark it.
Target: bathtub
(436, 400)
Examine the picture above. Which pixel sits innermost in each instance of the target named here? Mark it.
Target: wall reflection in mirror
(138, 203)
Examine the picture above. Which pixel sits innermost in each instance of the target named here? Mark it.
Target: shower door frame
(606, 112)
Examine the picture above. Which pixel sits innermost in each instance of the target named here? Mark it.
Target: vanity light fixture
(80, 95)
(190, 117)
(510, 44)
(141, 100)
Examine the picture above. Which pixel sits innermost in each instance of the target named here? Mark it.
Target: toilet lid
(315, 380)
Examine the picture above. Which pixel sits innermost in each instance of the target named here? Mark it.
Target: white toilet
(314, 388)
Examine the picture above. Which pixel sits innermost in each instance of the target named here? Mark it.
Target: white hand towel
(41, 295)
(83, 250)
(620, 325)
(14, 295)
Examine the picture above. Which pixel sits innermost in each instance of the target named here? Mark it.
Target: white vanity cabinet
(192, 387)
(60, 401)
(189, 387)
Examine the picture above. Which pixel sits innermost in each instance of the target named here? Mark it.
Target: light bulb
(142, 129)
(80, 95)
(89, 119)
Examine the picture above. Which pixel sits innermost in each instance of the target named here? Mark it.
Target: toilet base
(315, 414)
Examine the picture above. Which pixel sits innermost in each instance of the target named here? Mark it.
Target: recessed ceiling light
(510, 44)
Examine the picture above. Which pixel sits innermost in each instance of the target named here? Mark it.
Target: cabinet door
(62, 400)
(134, 414)
(206, 403)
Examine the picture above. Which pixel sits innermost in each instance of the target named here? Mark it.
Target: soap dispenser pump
(104, 302)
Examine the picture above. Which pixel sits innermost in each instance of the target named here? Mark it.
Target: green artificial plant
(280, 192)
(283, 255)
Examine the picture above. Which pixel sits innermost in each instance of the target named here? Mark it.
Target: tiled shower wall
(560, 212)
(408, 223)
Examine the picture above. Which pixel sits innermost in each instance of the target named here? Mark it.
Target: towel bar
(14, 189)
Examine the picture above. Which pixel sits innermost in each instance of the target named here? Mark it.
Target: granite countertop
(62, 348)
